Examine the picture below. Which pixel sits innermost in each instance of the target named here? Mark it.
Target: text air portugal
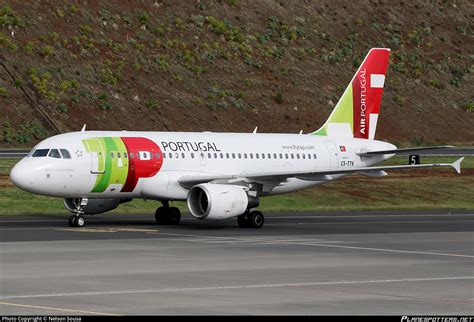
(367, 90)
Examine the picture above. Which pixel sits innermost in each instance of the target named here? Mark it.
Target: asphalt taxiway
(302, 263)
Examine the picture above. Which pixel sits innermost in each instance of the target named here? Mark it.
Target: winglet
(457, 164)
(83, 128)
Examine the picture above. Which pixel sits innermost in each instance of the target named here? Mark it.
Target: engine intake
(218, 201)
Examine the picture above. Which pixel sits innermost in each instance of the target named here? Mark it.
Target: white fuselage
(185, 154)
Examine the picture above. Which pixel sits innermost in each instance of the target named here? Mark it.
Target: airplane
(220, 175)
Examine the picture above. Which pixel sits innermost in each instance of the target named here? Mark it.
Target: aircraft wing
(370, 171)
(276, 178)
(409, 150)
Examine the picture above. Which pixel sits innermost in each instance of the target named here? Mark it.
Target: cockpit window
(40, 153)
(54, 153)
(65, 153)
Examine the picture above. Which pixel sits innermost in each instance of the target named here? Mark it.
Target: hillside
(231, 65)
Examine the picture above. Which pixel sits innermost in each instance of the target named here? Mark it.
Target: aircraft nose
(21, 176)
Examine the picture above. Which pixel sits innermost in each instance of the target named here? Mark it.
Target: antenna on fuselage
(255, 130)
(83, 128)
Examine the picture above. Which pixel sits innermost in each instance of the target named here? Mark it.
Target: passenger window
(245, 155)
(239, 155)
(263, 155)
(256, 155)
(209, 155)
(182, 155)
(222, 155)
(309, 156)
(170, 155)
(233, 155)
(65, 153)
(227, 155)
(269, 155)
(54, 153)
(251, 155)
(164, 155)
(192, 155)
(176, 155)
(215, 155)
(112, 155)
(292, 156)
(118, 155)
(286, 155)
(281, 156)
(297, 155)
(125, 155)
(274, 155)
(132, 155)
(314, 156)
(304, 156)
(158, 155)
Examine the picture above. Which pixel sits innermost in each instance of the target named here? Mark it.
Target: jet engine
(94, 206)
(218, 201)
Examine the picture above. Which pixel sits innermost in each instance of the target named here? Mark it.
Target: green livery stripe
(111, 170)
(103, 180)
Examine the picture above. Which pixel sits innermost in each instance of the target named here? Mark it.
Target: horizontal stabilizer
(408, 150)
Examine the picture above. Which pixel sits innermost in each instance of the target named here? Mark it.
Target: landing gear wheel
(79, 221)
(71, 221)
(242, 221)
(174, 216)
(160, 215)
(255, 219)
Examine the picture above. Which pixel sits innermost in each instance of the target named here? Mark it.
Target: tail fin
(356, 113)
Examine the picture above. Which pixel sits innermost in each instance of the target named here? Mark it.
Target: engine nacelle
(218, 201)
(94, 206)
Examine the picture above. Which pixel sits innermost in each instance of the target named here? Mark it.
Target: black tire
(71, 221)
(242, 221)
(161, 216)
(174, 216)
(79, 221)
(255, 219)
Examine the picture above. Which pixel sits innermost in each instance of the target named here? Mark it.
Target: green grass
(410, 190)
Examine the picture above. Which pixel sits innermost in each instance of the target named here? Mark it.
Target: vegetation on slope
(230, 65)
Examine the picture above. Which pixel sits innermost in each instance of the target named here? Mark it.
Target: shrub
(63, 108)
(3, 92)
(18, 82)
(47, 51)
(469, 106)
(279, 97)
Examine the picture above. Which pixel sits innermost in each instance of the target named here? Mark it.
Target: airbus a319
(220, 175)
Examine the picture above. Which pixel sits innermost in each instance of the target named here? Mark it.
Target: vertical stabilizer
(357, 111)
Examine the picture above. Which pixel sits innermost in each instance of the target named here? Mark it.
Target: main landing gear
(167, 215)
(251, 219)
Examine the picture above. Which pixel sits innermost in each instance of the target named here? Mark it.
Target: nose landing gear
(77, 219)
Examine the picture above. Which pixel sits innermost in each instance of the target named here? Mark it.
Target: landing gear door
(333, 154)
(97, 152)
